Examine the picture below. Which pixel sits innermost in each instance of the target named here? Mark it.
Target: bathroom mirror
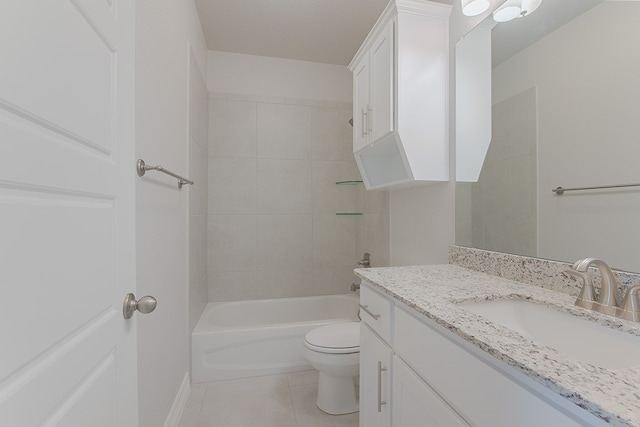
(565, 97)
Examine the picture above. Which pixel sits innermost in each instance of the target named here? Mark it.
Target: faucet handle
(587, 295)
(630, 309)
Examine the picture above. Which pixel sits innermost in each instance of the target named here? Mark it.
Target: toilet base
(337, 395)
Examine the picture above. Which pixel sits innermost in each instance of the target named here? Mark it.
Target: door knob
(144, 305)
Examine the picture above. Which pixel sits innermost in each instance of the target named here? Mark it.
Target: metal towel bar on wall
(560, 191)
(142, 168)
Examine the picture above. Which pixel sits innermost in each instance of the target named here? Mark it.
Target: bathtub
(241, 339)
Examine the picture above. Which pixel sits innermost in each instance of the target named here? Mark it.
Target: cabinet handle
(369, 312)
(380, 371)
(364, 123)
(369, 120)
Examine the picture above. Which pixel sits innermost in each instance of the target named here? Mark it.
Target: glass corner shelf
(349, 213)
(354, 182)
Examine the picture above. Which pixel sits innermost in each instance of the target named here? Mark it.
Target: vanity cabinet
(400, 96)
(439, 379)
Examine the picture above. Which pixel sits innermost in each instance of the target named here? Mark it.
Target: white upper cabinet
(400, 93)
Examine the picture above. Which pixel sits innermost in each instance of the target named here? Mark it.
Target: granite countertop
(435, 290)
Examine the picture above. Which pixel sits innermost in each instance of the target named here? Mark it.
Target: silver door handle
(380, 401)
(144, 305)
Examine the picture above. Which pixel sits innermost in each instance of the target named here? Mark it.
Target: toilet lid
(341, 337)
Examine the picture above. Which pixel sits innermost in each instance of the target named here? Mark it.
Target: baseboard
(179, 403)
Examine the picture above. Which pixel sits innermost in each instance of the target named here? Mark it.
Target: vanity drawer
(375, 311)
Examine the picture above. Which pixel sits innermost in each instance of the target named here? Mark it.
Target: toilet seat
(336, 338)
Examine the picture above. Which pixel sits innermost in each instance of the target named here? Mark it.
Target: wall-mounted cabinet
(400, 92)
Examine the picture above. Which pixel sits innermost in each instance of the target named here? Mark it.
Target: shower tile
(284, 242)
(232, 243)
(284, 283)
(334, 240)
(375, 202)
(328, 197)
(375, 238)
(233, 286)
(334, 280)
(232, 185)
(284, 186)
(509, 182)
(283, 131)
(232, 128)
(331, 135)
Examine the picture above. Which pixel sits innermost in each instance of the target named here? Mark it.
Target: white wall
(284, 78)
(164, 30)
(586, 76)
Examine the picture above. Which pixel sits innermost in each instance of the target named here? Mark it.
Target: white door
(67, 244)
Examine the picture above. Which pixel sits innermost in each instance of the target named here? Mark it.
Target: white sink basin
(578, 338)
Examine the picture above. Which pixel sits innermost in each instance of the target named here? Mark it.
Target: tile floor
(287, 400)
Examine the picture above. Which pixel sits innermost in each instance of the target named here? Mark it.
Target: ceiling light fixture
(474, 7)
(512, 9)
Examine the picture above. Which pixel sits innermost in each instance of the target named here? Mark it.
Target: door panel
(382, 84)
(67, 242)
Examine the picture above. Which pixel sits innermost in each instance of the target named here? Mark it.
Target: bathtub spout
(354, 287)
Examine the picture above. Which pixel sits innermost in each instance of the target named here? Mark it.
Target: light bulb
(508, 11)
(529, 6)
(474, 7)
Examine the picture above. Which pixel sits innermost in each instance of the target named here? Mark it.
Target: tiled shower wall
(272, 200)
(498, 213)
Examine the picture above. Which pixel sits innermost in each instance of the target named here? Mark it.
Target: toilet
(334, 350)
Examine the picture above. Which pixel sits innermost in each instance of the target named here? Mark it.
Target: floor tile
(261, 401)
(309, 415)
(303, 377)
(287, 400)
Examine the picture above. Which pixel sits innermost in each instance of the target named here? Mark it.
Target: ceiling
(326, 31)
(508, 38)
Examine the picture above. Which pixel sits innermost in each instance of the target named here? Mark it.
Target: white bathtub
(241, 339)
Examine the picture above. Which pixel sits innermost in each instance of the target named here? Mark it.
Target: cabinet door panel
(415, 404)
(477, 391)
(381, 122)
(372, 351)
(361, 104)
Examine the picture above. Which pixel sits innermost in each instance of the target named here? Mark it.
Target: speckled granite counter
(435, 290)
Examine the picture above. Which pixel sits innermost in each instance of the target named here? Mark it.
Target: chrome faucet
(608, 301)
(366, 261)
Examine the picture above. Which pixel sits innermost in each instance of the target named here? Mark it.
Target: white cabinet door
(415, 404)
(67, 235)
(375, 376)
(381, 95)
(361, 105)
